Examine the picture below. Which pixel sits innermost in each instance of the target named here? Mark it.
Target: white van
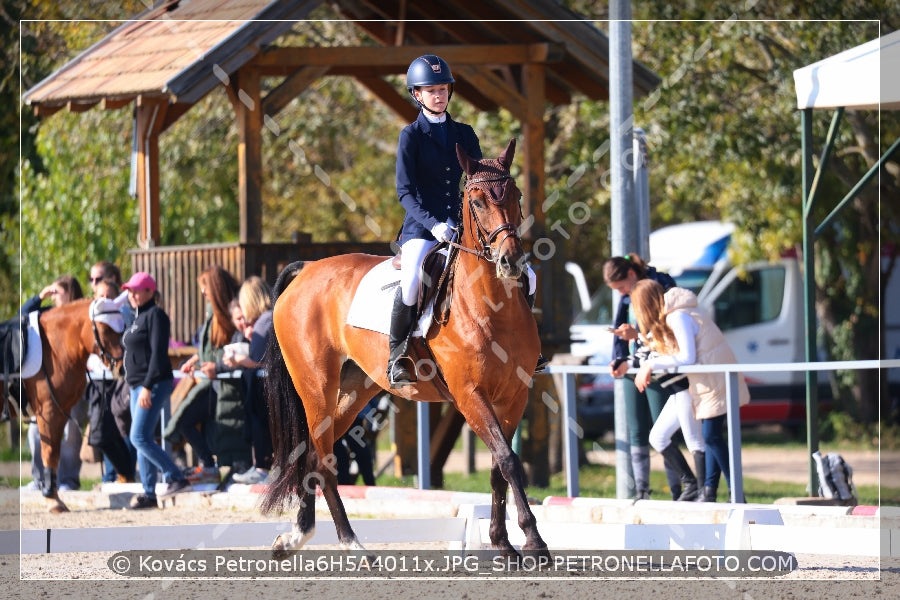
(759, 308)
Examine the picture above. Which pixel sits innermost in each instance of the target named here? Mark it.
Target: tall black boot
(541, 361)
(400, 370)
(674, 481)
(676, 461)
(640, 467)
(700, 470)
(707, 494)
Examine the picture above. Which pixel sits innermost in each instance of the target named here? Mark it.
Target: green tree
(723, 132)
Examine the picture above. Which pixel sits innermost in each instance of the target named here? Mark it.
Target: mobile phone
(611, 329)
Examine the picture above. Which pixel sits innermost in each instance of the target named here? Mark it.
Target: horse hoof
(279, 551)
(57, 508)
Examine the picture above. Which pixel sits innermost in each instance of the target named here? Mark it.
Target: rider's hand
(442, 232)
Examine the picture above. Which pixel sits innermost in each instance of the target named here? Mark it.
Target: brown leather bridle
(486, 240)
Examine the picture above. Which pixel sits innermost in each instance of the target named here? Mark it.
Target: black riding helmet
(428, 70)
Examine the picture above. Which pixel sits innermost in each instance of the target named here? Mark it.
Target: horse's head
(108, 323)
(492, 212)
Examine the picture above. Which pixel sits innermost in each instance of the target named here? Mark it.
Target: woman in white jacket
(680, 333)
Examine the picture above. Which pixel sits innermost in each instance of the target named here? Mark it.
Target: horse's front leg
(497, 530)
(507, 469)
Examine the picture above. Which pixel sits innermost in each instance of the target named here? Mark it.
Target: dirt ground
(87, 575)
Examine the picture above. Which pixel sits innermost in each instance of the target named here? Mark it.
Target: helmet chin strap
(434, 112)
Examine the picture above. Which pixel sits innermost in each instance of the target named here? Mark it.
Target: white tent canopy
(864, 77)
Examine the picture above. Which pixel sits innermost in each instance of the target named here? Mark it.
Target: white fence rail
(567, 401)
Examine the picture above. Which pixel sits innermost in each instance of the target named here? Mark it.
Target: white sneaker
(250, 476)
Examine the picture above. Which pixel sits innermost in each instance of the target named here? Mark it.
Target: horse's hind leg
(305, 526)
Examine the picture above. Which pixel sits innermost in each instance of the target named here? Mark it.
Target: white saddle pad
(31, 362)
(374, 299)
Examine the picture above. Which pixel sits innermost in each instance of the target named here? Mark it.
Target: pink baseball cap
(140, 281)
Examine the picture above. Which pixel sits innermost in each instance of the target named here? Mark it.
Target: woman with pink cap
(149, 374)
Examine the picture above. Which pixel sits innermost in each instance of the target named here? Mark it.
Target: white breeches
(678, 411)
(413, 253)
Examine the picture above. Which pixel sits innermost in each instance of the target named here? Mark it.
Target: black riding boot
(541, 361)
(700, 470)
(675, 459)
(707, 494)
(399, 365)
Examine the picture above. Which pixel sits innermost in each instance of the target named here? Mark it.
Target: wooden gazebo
(517, 54)
(505, 53)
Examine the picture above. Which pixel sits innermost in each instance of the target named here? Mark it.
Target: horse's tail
(287, 418)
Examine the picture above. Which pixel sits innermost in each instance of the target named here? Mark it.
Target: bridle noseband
(486, 240)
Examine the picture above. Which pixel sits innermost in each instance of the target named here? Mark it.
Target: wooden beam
(399, 57)
(79, 107)
(45, 110)
(175, 112)
(533, 132)
(115, 103)
(386, 93)
(496, 89)
(249, 122)
(290, 88)
(150, 114)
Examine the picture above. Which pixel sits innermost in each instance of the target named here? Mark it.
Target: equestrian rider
(428, 176)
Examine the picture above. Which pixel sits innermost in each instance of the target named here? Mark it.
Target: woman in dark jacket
(621, 273)
(149, 375)
(217, 402)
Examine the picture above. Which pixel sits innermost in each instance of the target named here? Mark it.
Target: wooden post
(248, 106)
(151, 113)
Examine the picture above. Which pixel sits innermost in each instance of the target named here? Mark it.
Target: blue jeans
(144, 422)
(716, 451)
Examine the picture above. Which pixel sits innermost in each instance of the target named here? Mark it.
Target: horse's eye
(477, 203)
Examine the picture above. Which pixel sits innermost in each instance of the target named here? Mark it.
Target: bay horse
(69, 334)
(322, 371)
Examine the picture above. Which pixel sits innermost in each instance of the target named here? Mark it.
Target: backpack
(835, 478)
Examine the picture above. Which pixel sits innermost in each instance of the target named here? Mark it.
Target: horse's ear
(506, 157)
(468, 165)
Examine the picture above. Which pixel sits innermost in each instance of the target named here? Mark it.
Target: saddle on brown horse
(13, 348)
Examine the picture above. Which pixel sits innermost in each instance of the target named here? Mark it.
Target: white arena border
(565, 524)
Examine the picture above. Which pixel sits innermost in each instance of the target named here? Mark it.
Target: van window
(754, 298)
(600, 310)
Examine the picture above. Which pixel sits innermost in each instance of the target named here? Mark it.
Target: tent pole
(809, 297)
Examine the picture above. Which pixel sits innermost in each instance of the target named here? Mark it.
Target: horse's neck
(476, 279)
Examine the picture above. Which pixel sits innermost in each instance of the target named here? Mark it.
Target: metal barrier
(569, 414)
(570, 440)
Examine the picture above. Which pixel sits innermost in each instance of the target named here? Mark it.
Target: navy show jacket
(428, 174)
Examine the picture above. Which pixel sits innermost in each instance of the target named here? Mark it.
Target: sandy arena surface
(87, 575)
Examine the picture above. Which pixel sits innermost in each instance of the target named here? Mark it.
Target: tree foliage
(723, 134)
